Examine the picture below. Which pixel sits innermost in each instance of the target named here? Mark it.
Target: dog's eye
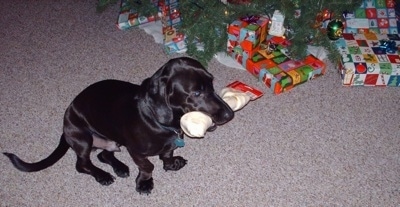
(197, 93)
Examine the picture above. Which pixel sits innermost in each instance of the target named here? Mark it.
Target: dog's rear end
(144, 119)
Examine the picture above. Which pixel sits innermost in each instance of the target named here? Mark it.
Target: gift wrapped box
(245, 36)
(377, 16)
(265, 56)
(369, 59)
(128, 16)
(174, 41)
(280, 73)
(170, 15)
(254, 32)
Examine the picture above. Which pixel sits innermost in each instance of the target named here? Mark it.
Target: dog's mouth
(212, 127)
(215, 120)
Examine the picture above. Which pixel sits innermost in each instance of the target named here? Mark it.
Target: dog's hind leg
(81, 143)
(119, 168)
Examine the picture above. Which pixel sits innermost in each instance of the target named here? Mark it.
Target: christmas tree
(393, 81)
(206, 21)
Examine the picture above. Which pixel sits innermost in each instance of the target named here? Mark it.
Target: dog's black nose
(229, 114)
(224, 116)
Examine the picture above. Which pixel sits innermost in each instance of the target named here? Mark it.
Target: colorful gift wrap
(241, 55)
(377, 16)
(254, 32)
(174, 42)
(128, 16)
(170, 15)
(244, 37)
(265, 56)
(280, 73)
(283, 74)
(233, 34)
(248, 32)
(234, 28)
(369, 59)
(265, 59)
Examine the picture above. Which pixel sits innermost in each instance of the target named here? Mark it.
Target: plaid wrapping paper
(282, 74)
(248, 45)
(128, 16)
(366, 61)
(377, 16)
(168, 13)
(174, 41)
(245, 36)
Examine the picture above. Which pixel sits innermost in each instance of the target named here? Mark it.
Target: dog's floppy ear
(158, 95)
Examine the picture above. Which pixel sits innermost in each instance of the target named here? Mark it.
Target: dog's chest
(157, 144)
(173, 142)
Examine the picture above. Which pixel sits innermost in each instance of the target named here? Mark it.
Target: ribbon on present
(251, 19)
(269, 48)
(388, 45)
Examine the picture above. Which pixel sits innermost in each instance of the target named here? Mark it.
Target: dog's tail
(57, 154)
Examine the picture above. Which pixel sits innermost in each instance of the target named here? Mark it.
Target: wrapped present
(280, 73)
(241, 55)
(266, 57)
(369, 59)
(170, 15)
(128, 16)
(233, 34)
(174, 42)
(245, 36)
(377, 16)
(254, 32)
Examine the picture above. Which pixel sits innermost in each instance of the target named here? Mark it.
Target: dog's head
(183, 85)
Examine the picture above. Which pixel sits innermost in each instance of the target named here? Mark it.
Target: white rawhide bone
(196, 123)
(234, 98)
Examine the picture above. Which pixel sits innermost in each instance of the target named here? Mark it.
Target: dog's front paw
(145, 186)
(105, 178)
(174, 163)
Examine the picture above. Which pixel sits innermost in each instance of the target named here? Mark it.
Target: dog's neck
(179, 142)
(177, 131)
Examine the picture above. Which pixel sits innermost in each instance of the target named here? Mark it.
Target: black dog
(144, 118)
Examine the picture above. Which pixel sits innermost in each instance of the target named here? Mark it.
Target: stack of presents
(168, 13)
(369, 48)
(264, 55)
(370, 45)
(247, 42)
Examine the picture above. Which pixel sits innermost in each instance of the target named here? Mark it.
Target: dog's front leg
(172, 163)
(144, 180)
(119, 168)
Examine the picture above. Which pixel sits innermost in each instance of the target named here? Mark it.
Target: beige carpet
(320, 144)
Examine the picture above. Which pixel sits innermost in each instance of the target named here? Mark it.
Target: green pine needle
(206, 21)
